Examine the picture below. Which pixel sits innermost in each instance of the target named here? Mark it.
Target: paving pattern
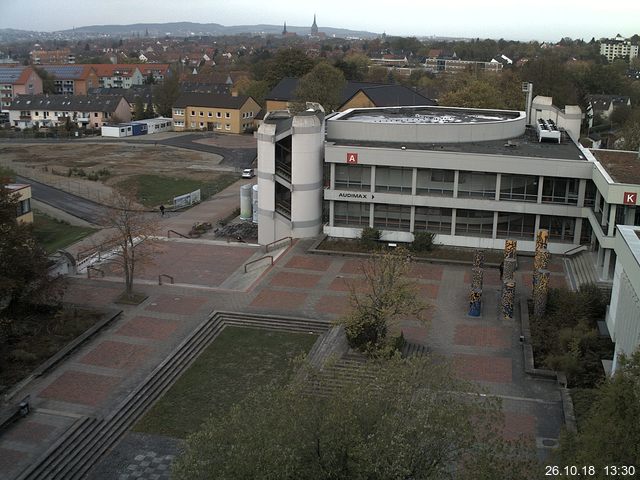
(99, 375)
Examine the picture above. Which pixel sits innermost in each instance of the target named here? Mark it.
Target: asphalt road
(72, 204)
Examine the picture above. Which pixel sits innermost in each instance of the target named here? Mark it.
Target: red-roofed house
(17, 80)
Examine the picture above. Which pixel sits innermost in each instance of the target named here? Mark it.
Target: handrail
(177, 233)
(574, 249)
(89, 268)
(257, 260)
(164, 275)
(266, 247)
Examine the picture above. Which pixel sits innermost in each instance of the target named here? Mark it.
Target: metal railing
(177, 233)
(257, 260)
(266, 247)
(573, 250)
(164, 275)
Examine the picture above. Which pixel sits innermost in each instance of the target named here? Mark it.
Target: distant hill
(179, 29)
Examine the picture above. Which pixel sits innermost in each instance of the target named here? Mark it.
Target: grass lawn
(238, 361)
(54, 234)
(155, 190)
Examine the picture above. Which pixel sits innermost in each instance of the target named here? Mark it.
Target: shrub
(423, 241)
(370, 236)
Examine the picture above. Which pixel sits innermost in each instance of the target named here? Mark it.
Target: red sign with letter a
(352, 158)
(630, 198)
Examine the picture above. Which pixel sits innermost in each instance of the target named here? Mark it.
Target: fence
(41, 173)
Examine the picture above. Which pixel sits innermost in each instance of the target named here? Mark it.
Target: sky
(510, 19)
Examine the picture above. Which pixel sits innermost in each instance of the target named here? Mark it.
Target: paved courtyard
(96, 378)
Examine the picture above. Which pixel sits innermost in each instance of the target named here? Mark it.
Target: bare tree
(130, 236)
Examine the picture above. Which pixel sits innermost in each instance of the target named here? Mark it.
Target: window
(23, 207)
(179, 123)
(36, 113)
(435, 182)
(227, 127)
(519, 188)
(477, 185)
(590, 194)
(351, 214)
(392, 217)
(433, 219)
(178, 112)
(560, 190)
(560, 228)
(353, 177)
(209, 114)
(227, 115)
(95, 114)
(193, 124)
(394, 179)
(202, 114)
(218, 115)
(193, 113)
(475, 223)
(516, 225)
(201, 125)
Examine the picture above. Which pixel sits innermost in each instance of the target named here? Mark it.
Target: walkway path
(98, 376)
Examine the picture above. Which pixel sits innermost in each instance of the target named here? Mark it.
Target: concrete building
(17, 80)
(214, 112)
(473, 177)
(623, 315)
(618, 47)
(569, 118)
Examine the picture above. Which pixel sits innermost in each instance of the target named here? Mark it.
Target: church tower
(284, 30)
(314, 26)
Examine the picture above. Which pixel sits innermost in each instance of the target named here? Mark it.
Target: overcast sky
(509, 19)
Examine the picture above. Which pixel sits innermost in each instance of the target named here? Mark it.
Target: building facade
(16, 81)
(214, 112)
(72, 79)
(24, 214)
(473, 177)
(618, 47)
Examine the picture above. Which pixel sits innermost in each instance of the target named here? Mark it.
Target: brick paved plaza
(96, 378)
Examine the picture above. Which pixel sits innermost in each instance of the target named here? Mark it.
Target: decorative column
(542, 239)
(477, 275)
(508, 297)
(475, 302)
(478, 259)
(508, 269)
(510, 247)
(540, 293)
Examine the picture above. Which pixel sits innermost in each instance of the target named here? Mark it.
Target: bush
(370, 236)
(423, 241)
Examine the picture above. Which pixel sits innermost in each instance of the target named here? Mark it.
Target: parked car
(248, 173)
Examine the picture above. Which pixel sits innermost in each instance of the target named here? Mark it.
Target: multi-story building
(118, 75)
(15, 81)
(90, 111)
(72, 79)
(159, 71)
(455, 65)
(618, 47)
(214, 112)
(473, 177)
(63, 55)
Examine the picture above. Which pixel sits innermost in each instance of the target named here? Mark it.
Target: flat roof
(428, 115)
(622, 166)
(526, 145)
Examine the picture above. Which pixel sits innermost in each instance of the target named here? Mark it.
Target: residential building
(18, 80)
(72, 79)
(159, 71)
(84, 111)
(214, 112)
(23, 211)
(604, 105)
(63, 55)
(145, 92)
(618, 47)
(118, 75)
(456, 65)
(473, 177)
(354, 94)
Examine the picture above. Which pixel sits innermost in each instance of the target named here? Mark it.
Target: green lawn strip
(238, 361)
(54, 234)
(155, 190)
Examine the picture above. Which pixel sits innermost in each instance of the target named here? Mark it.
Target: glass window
(218, 115)
(351, 214)
(475, 223)
(353, 177)
(560, 190)
(516, 225)
(519, 188)
(394, 179)
(560, 228)
(227, 115)
(590, 194)
(477, 185)
(433, 219)
(435, 182)
(392, 217)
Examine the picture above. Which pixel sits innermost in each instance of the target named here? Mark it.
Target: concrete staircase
(75, 452)
(582, 271)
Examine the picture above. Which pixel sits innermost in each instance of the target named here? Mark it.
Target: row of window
(523, 188)
(180, 113)
(474, 223)
(216, 125)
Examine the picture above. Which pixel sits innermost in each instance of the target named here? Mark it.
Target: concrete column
(605, 214)
(612, 220)
(371, 212)
(332, 179)
(540, 185)
(577, 231)
(596, 200)
(498, 182)
(332, 210)
(582, 190)
(456, 178)
(453, 220)
(412, 221)
(536, 226)
(373, 179)
(604, 275)
(494, 232)
(414, 182)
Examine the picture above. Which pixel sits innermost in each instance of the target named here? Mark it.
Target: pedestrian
(162, 210)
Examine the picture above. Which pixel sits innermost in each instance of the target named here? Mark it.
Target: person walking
(162, 210)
